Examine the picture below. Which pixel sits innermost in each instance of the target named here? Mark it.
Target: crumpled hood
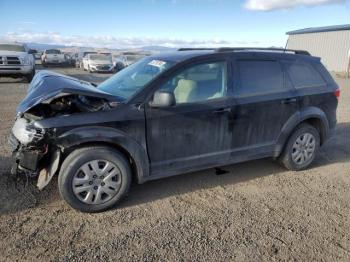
(48, 85)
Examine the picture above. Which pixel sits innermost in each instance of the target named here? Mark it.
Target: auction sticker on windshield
(157, 63)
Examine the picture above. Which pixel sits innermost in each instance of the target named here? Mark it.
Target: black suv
(172, 113)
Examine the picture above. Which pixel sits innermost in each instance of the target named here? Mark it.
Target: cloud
(268, 5)
(106, 41)
(26, 23)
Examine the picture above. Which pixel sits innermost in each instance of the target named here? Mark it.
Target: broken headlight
(25, 132)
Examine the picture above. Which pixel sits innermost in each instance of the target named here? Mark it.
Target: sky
(171, 23)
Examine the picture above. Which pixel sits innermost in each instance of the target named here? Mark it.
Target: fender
(296, 119)
(95, 134)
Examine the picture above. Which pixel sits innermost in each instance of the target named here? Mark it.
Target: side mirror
(32, 51)
(163, 99)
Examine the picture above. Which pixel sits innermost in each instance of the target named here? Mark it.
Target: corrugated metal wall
(332, 47)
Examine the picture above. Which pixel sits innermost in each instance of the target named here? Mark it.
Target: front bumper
(101, 68)
(24, 159)
(15, 69)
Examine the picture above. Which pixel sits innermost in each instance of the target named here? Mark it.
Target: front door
(196, 132)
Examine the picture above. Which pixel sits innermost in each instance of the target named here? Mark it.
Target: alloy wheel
(303, 148)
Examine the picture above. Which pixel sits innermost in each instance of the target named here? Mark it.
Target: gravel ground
(257, 211)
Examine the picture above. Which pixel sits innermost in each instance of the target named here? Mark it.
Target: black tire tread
(69, 162)
(285, 159)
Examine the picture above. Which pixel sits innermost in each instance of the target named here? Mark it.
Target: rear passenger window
(304, 75)
(258, 77)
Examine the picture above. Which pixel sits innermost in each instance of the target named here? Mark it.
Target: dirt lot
(258, 211)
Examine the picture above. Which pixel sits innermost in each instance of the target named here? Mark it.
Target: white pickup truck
(52, 56)
(16, 60)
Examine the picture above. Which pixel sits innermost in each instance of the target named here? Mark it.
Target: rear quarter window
(259, 77)
(304, 75)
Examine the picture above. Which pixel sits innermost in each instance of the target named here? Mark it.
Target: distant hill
(155, 49)
(42, 47)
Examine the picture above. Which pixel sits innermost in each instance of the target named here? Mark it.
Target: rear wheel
(93, 179)
(301, 148)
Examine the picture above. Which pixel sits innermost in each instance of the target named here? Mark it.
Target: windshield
(16, 48)
(133, 78)
(53, 51)
(100, 57)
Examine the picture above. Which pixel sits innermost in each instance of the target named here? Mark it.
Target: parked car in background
(119, 62)
(79, 58)
(52, 57)
(169, 114)
(133, 57)
(38, 55)
(16, 60)
(98, 63)
(70, 59)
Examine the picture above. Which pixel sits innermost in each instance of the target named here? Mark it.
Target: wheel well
(318, 124)
(313, 121)
(120, 149)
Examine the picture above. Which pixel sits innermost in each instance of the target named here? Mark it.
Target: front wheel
(301, 148)
(29, 77)
(93, 179)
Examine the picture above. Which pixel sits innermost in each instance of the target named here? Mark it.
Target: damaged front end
(50, 96)
(32, 153)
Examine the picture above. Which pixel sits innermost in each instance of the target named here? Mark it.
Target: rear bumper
(9, 70)
(55, 62)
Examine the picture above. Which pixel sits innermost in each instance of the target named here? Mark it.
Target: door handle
(288, 101)
(222, 110)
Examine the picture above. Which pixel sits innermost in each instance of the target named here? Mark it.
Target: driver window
(200, 82)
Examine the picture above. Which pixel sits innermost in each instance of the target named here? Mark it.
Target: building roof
(319, 29)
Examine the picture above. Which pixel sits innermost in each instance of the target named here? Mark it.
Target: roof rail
(272, 49)
(194, 49)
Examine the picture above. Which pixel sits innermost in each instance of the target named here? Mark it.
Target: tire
(29, 77)
(79, 163)
(301, 148)
(89, 69)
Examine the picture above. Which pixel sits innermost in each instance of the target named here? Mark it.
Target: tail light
(337, 93)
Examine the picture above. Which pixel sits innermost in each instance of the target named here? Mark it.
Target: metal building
(331, 43)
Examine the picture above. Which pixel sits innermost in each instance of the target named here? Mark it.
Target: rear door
(314, 86)
(265, 100)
